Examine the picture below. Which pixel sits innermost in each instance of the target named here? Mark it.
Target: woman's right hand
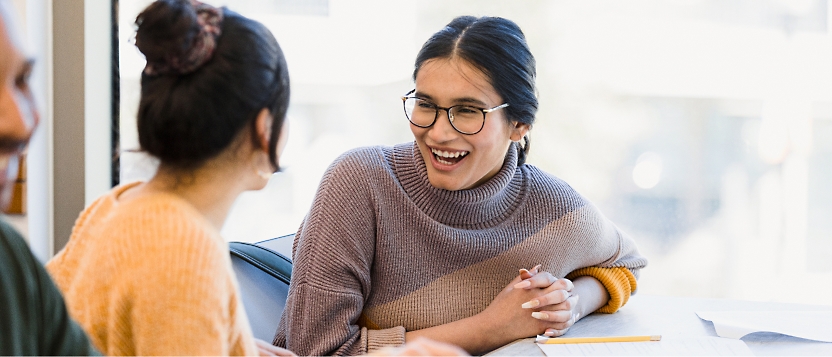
(504, 319)
(509, 318)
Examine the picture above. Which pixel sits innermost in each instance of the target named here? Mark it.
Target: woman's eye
(467, 110)
(425, 105)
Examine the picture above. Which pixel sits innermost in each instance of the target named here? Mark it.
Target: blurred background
(702, 128)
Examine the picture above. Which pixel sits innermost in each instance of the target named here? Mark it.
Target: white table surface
(675, 316)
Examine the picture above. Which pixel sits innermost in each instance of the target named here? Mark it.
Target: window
(702, 128)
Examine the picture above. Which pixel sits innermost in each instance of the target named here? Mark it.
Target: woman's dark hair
(186, 119)
(497, 47)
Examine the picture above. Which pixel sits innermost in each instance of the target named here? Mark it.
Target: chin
(445, 183)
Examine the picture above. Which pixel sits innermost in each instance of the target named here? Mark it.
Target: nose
(18, 115)
(442, 130)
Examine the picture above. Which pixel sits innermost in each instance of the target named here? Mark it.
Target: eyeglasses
(464, 118)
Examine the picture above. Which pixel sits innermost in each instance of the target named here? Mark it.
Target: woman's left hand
(555, 304)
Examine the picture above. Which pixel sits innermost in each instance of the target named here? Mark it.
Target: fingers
(558, 317)
(553, 316)
(555, 300)
(267, 349)
(560, 321)
(554, 332)
(526, 274)
(536, 269)
(539, 280)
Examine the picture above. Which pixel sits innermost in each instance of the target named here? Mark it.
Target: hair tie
(209, 19)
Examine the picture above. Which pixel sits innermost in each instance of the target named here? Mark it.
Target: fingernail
(523, 284)
(540, 315)
(537, 268)
(530, 304)
(549, 333)
(524, 271)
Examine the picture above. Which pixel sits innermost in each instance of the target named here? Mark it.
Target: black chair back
(263, 276)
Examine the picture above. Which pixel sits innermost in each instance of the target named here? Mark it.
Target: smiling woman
(431, 234)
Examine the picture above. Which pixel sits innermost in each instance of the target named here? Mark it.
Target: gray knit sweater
(381, 241)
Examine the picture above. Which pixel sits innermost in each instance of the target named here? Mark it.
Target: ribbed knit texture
(380, 241)
(151, 276)
(619, 282)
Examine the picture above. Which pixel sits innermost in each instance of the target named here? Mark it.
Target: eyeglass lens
(463, 118)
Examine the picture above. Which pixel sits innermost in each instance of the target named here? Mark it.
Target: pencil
(565, 340)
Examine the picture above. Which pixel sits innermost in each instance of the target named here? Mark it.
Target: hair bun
(177, 36)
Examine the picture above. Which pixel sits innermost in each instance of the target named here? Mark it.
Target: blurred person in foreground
(33, 318)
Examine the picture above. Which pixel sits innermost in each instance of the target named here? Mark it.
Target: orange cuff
(619, 282)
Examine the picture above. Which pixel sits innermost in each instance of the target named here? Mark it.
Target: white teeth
(447, 154)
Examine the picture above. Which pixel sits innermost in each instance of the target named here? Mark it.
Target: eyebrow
(463, 100)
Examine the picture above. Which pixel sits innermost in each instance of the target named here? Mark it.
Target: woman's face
(447, 82)
(18, 114)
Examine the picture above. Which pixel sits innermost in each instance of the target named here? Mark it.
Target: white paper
(682, 346)
(812, 325)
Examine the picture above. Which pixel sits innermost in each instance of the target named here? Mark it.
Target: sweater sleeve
(619, 282)
(34, 319)
(613, 258)
(598, 248)
(61, 336)
(333, 255)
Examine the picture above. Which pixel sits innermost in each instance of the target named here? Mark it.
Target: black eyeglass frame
(448, 111)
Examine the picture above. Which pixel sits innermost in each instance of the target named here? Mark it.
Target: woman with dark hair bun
(426, 239)
(146, 271)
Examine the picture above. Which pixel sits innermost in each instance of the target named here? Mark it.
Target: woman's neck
(211, 189)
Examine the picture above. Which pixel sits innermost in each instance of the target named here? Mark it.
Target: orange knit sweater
(151, 276)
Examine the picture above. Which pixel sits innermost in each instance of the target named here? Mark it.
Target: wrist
(473, 334)
(592, 295)
(486, 334)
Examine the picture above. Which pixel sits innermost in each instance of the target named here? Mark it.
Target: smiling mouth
(447, 157)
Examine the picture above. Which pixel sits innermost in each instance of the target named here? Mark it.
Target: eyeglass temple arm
(495, 108)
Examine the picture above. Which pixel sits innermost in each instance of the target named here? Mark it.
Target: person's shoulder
(10, 235)
(160, 219)
(362, 162)
(365, 155)
(551, 187)
(102, 206)
(13, 248)
(539, 177)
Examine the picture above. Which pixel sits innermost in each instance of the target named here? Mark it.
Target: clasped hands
(534, 303)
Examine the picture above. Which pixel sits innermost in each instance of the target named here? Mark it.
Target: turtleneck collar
(481, 207)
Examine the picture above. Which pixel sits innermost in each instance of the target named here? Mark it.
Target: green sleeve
(34, 319)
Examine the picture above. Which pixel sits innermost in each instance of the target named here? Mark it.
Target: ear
(263, 126)
(519, 130)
